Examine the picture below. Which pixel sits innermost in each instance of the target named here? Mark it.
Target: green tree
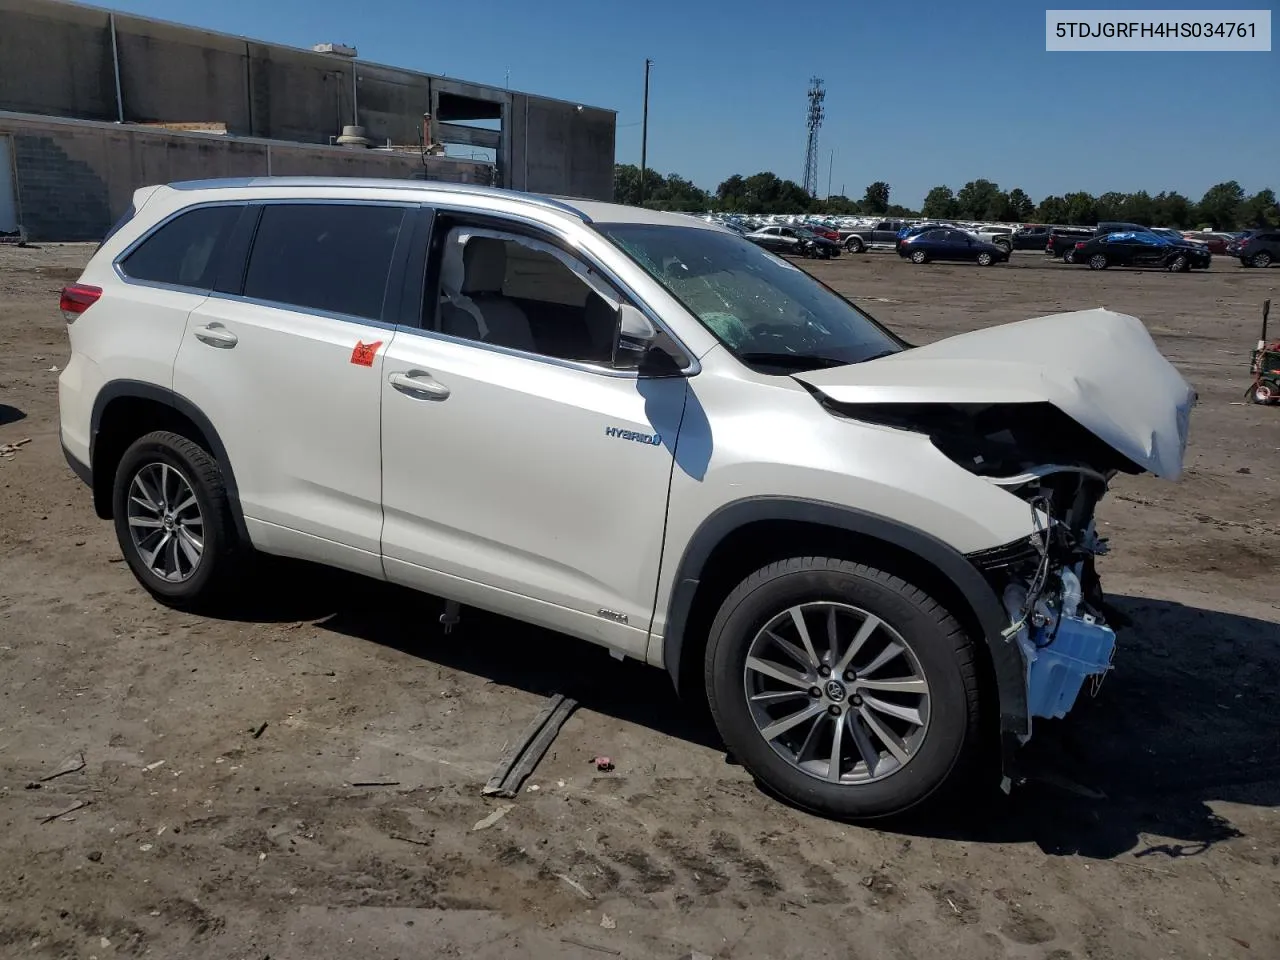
(979, 200)
(875, 199)
(898, 210)
(1020, 207)
(1081, 208)
(1110, 205)
(732, 193)
(1220, 205)
(626, 183)
(939, 204)
(1171, 209)
(761, 192)
(1260, 210)
(839, 206)
(1052, 210)
(792, 198)
(1139, 208)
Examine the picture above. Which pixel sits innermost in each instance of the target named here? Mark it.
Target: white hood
(1099, 368)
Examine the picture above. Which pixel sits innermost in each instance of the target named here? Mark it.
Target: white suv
(637, 428)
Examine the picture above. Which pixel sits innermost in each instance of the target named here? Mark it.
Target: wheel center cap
(835, 690)
(168, 522)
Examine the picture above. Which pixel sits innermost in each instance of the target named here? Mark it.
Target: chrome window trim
(690, 369)
(305, 311)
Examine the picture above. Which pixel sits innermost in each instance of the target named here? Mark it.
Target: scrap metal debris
(520, 760)
(7, 450)
(494, 817)
(78, 805)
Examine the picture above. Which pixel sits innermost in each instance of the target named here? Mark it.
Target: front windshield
(771, 315)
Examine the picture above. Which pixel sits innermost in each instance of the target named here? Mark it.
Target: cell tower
(814, 121)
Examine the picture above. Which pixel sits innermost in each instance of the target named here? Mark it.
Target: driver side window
(518, 292)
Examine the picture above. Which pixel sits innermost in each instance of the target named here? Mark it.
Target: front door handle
(216, 335)
(419, 384)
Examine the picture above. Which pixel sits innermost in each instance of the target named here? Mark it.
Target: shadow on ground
(1190, 715)
(10, 414)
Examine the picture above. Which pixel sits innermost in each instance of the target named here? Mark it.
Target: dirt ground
(224, 806)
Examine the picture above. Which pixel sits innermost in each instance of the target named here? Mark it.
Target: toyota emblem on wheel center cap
(835, 690)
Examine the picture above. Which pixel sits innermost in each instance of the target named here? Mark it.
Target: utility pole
(831, 162)
(644, 130)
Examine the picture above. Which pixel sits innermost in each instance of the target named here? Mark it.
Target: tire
(985, 259)
(855, 245)
(919, 256)
(1263, 392)
(1069, 255)
(1262, 259)
(1098, 262)
(1179, 264)
(154, 461)
(937, 750)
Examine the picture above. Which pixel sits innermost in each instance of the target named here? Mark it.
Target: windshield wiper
(801, 361)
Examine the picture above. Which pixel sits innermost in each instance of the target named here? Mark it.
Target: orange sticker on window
(363, 353)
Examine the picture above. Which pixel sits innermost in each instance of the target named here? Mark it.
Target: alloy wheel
(1262, 259)
(165, 522)
(837, 692)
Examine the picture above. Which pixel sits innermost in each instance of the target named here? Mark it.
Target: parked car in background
(1215, 242)
(1141, 248)
(1000, 236)
(1260, 249)
(1062, 242)
(950, 244)
(882, 235)
(1034, 237)
(795, 241)
(824, 231)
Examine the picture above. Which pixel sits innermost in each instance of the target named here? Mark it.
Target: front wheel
(173, 519)
(919, 256)
(1262, 259)
(1179, 264)
(1098, 262)
(1069, 256)
(984, 259)
(841, 687)
(1263, 392)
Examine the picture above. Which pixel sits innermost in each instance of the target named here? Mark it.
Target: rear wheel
(1263, 392)
(841, 687)
(919, 256)
(1069, 255)
(173, 519)
(1262, 259)
(985, 259)
(854, 245)
(1098, 262)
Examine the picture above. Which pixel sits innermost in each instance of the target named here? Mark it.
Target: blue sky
(918, 93)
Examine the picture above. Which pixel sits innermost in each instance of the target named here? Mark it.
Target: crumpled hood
(1100, 368)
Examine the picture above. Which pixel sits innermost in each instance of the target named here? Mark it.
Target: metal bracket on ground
(524, 755)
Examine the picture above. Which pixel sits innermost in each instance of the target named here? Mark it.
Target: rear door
(287, 361)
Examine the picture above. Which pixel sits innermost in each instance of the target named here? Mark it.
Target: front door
(289, 366)
(523, 472)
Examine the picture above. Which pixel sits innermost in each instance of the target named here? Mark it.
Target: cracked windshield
(770, 314)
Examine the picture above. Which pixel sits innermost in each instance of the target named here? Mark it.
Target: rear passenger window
(184, 252)
(330, 257)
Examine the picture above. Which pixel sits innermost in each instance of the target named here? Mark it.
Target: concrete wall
(74, 178)
(56, 59)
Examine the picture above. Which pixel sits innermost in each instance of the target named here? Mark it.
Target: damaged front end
(1049, 410)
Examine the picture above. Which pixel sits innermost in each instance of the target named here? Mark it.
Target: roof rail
(370, 183)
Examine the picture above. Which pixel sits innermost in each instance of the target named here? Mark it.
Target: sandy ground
(1152, 828)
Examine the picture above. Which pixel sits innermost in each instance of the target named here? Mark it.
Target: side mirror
(636, 334)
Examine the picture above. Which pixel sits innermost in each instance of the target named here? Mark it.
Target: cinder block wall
(74, 178)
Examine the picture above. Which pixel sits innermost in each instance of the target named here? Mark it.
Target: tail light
(76, 299)
(1080, 245)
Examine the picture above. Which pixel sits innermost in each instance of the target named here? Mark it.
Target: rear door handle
(420, 385)
(216, 335)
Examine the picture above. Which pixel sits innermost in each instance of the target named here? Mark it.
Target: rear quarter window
(184, 252)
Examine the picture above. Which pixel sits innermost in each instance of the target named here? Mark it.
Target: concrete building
(95, 103)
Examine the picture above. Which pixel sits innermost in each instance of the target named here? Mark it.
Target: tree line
(1224, 206)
